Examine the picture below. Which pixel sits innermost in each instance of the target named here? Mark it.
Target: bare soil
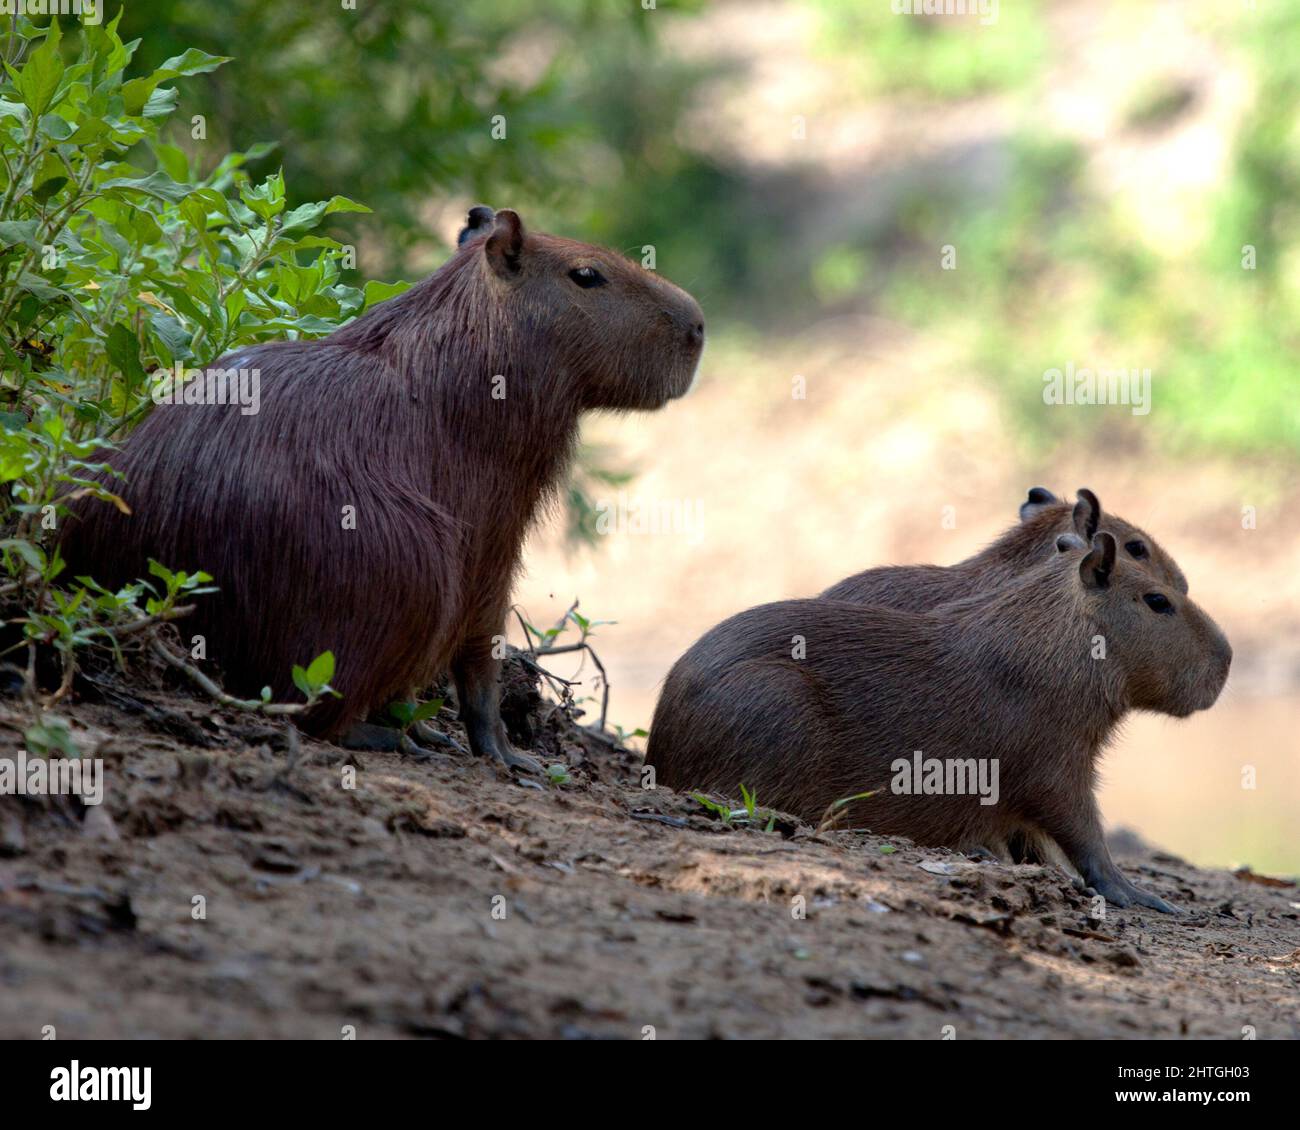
(447, 898)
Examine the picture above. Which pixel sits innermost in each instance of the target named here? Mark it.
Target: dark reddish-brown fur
(393, 415)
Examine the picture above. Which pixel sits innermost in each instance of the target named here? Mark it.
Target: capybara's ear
(1038, 498)
(1095, 569)
(1067, 542)
(506, 243)
(480, 220)
(1087, 513)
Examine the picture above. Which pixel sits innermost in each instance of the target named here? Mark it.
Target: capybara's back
(315, 515)
(805, 702)
(1043, 517)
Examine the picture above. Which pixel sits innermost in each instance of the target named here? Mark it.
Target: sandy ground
(448, 899)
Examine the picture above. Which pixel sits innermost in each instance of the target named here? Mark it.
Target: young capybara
(376, 503)
(807, 702)
(1043, 517)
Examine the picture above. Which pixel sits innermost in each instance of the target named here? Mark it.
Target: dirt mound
(222, 891)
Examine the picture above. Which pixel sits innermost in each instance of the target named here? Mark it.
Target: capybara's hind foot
(428, 735)
(379, 738)
(372, 736)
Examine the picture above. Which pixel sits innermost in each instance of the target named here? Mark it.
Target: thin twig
(150, 621)
(215, 692)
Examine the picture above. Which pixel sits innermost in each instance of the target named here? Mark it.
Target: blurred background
(896, 225)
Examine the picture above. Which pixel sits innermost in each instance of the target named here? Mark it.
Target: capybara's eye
(587, 277)
(1157, 602)
(1136, 549)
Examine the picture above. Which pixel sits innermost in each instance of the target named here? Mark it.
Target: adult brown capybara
(376, 503)
(1043, 517)
(1009, 697)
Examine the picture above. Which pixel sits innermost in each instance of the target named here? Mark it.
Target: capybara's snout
(690, 320)
(1217, 665)
(685, 320)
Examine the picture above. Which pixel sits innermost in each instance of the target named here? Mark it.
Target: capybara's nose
(1221, 648)
(691, 318)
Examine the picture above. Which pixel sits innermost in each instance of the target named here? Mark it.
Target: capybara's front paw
(505, 753)
(1155, 902)
(1119, 892)
(1112, 888)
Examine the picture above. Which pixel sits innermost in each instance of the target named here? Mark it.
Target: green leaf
(28, 552)
(343, 204)
(321, 669)
(174, 337)
(304, 216)
(377, 292)
(192, 62)
(157, 184)
(51, 735)
(137, 93)
(39, 78)
(427, 710)
(36, 285)
(404, 712)
(173, 161)
(49, 178)
(161, 102)
(55, 126)
(20, 232)
(123, 349)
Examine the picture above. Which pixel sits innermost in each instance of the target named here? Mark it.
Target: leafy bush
(396, 101)
(111, 276)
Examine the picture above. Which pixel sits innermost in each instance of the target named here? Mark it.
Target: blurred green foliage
(940, 58)
(396, 101)
(1050, 267)
(608, 129)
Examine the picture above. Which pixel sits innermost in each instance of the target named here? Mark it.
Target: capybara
(376, 503)
(1043, 516)
(807, 702)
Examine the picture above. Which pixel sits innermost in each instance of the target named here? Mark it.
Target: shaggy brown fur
(1010, 678)
(398, 416)
(1043, 516)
